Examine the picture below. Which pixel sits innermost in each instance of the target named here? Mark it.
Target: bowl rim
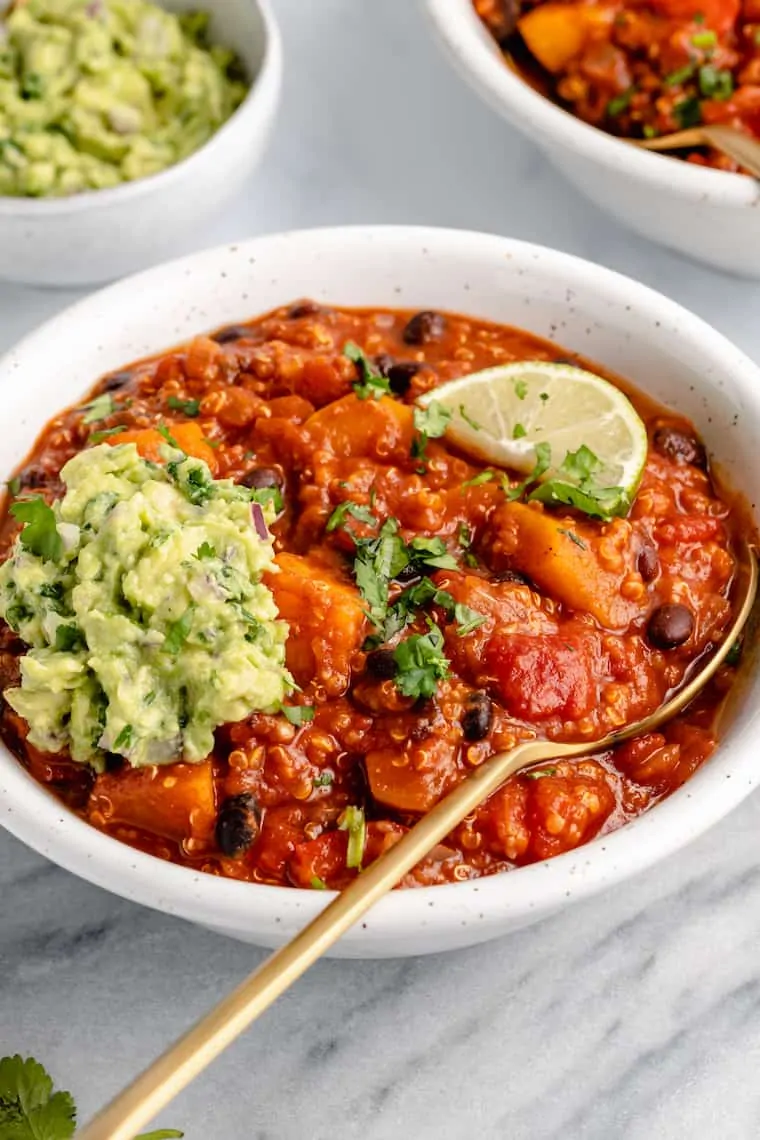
(478, 58)
(268, 73)
(34, 816)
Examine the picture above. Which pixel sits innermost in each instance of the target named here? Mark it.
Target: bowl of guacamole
(124, 126)
(94, 93)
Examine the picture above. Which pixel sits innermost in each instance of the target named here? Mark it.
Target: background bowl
(709, 215)
(99, 235)
(634, 331)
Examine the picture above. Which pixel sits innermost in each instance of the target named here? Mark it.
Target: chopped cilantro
(650, 132)
(543, 396)
(518, 431)
(163, 430)
(178, 632)
(360, 513)
(421, 663)
(543, 462)
(298, 714)
(431, 552)
(521, 389)
(620, 103)
(188, 407)
(124, 739)
(323, 780)
(68, 638)
(40, 534)
(353, 821)
(318, 884)
(429, 423)
(205, 551)
(98, 409)
(468, 419)
(688, 113)
(371, 383)
(106, 433)
(540, 773)
(715, 83)
(14, 486)
(464, 536)
(707, 39)
(478, 480)
(680, 75)
(735, 652)
(467, 619)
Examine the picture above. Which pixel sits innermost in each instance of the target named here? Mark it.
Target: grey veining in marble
(635, 1015)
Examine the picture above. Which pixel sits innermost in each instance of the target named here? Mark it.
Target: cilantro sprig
(421, 663)
(371, 383)
(99, 409)
(190, 408)
(429, 423)
(574, 485)
(31, 1110)
(40, 534)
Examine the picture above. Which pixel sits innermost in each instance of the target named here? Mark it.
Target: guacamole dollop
(98, 92)
(140, 593)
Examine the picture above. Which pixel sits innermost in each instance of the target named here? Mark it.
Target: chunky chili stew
(434, 616)
(640, 69)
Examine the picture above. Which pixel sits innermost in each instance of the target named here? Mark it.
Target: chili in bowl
(581, 79)
(428, 610)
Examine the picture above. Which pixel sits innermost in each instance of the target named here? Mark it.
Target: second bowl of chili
(707, 214)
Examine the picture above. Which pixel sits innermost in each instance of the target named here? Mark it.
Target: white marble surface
(635, 1015)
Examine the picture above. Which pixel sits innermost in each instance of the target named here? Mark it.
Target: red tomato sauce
(565, 650)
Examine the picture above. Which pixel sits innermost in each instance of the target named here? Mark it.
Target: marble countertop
(634, 1015)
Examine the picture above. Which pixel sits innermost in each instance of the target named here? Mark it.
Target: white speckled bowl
(102, 234)
(638, 333)
(709, 215)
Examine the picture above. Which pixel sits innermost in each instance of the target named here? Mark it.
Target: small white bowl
(630, 329)
(708, 215)
(100, 235)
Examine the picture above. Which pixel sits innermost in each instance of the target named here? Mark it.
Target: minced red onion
(258, 521)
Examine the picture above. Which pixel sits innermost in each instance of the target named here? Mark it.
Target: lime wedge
(502, 414)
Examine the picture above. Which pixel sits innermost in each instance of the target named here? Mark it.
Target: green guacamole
(140, 593)
(98, 92)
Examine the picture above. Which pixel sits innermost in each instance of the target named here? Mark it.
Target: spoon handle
(187, 1057)
(740, 147)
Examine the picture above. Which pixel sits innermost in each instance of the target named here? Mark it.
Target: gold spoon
(740, 147)
(187, 1057)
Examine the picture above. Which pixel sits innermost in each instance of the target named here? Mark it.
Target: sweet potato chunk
(326, 619)
(149, 442)
(569, 560)
(557, 33)
(399, 781)
(369, 429)
(176, 801)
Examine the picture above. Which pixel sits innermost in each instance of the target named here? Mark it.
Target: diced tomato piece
(543, 676)
(567, 809)
(720, 15)
(321, 860)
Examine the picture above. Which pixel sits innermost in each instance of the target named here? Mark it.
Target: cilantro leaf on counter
(40, 534)
(30, 1110)
(371, 383)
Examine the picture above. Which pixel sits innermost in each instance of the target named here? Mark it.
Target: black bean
(680, 446)
(408, 574)
(231, 333)
(502, 20)
(33, 478)
(400, 376)
(381, 663)
(115, 381)
(383, 363)
(424, 327)
(670, 626)
(477, 717)
(648, 563)
(304, 309)
(260, 477)
(238, 824)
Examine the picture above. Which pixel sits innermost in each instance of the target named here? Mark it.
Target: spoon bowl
(742, 148)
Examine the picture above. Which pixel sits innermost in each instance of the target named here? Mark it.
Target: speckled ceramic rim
(267, 76)
(428, 918)
(478, 59)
